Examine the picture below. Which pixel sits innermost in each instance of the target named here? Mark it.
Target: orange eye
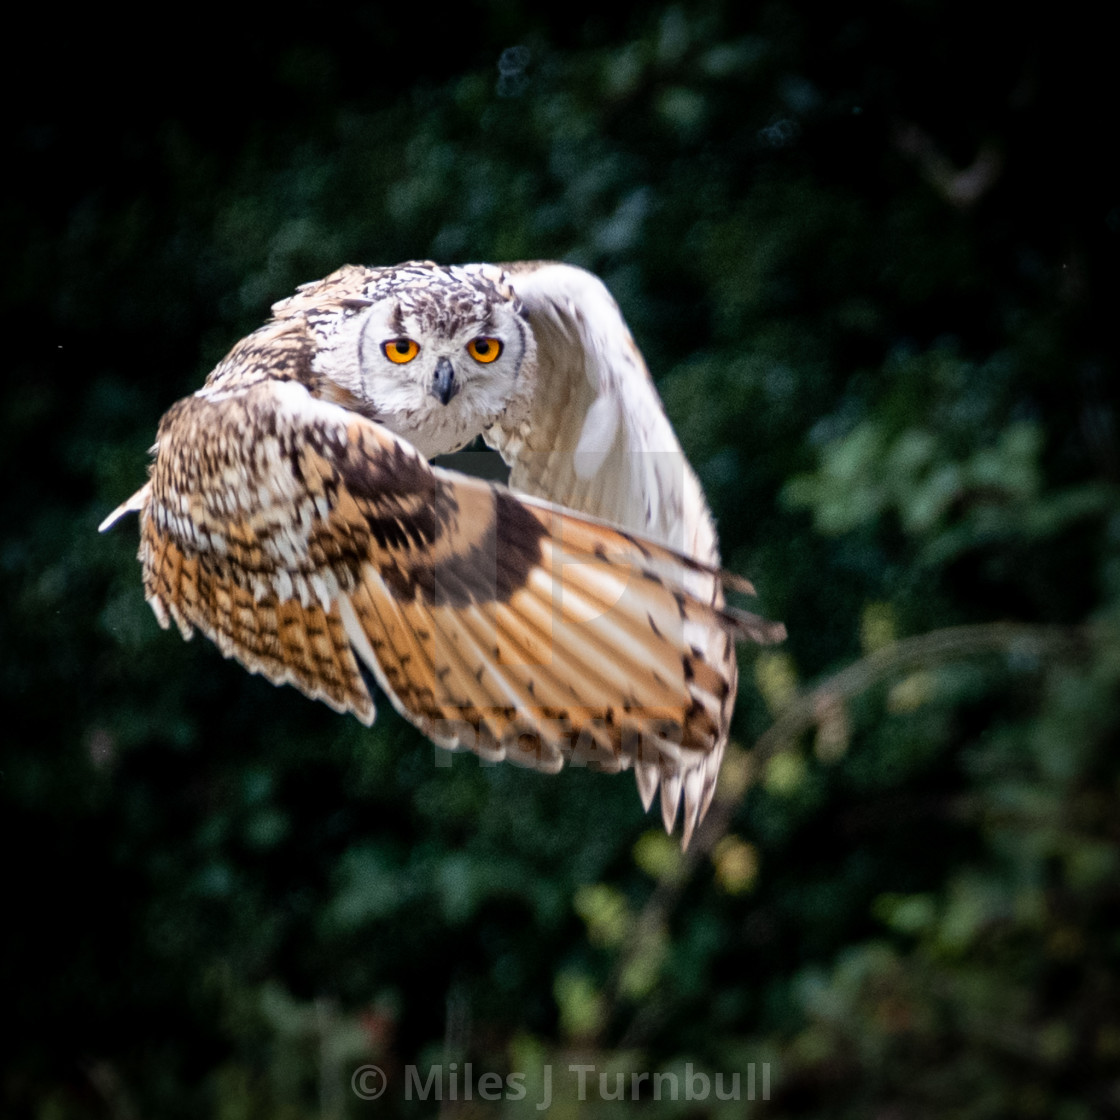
(484, 349)
(400, 350)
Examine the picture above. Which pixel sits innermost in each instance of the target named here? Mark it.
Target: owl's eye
(484, 349)
(400, 350)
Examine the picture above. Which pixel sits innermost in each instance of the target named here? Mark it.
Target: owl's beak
(444, 385)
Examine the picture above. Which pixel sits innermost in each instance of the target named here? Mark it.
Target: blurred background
(870, 251)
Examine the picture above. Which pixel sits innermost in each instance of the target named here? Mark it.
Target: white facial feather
(443, 317)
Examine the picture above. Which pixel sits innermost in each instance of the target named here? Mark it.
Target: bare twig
(1025, 644)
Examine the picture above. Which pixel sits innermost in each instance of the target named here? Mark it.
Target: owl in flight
(292, 514)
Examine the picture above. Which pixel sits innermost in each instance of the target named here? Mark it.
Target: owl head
(440, 351)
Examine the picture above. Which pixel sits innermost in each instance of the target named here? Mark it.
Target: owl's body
(292, 516)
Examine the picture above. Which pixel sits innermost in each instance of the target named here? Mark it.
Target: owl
(294, 516)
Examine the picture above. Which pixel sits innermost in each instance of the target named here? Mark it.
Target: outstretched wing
(587, 429)
(319, 549)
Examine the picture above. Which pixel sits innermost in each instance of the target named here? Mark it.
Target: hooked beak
(444, 385)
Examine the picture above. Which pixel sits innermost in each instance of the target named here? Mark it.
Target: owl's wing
(320, 550)
(586, 428)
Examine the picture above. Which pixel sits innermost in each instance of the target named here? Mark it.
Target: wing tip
(647, 776)
(134, 504)
(687, 789)
(762, 631)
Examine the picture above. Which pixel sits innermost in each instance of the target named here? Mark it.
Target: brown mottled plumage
(293, 517)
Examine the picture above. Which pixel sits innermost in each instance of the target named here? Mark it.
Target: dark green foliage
(871, 255)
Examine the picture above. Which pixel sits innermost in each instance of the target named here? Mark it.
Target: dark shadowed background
(870, 252)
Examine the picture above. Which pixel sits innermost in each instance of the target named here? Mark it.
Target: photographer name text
(455, 1082)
